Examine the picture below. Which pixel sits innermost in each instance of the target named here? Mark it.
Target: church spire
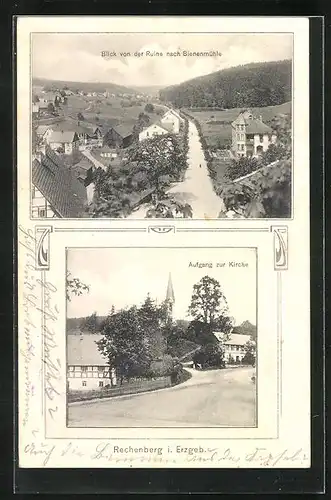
(170, 297)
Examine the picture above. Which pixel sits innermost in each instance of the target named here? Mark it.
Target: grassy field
(109, 111)
(106, 112)
(216, 124)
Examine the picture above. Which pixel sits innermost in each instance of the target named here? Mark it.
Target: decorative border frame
(280, 250)
(36, 219)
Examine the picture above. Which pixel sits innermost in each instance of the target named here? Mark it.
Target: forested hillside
(83, 86)
(251, 85)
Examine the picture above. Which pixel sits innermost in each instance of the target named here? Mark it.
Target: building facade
(173, 120)
(250, 136)
(153, 131)
(66, 141)
(86, 367)
(234, 347)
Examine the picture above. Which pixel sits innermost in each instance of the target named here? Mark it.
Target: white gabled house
(172, 119)
(87, 368)
(154, 130)
(234, 347)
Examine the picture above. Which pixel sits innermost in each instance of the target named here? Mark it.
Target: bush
(179, 375)
(210, 355)
(161, 367)
(241, 167)
(149, 108)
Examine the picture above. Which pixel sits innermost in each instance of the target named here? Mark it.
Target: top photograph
(161, 125)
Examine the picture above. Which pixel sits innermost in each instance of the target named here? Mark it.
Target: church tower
(170, 297)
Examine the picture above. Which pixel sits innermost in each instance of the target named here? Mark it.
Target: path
(210, 398)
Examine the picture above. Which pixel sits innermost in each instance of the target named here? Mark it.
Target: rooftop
(59, 185)
(235, 338)
(256, 126)
(124, 130)
(82, 350)
(63, 136)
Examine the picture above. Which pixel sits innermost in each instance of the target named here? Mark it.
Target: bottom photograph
(161, 337)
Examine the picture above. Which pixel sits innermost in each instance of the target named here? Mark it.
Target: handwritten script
(103, 454)
(39, 310)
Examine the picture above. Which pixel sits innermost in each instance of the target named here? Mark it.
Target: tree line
(253, 85)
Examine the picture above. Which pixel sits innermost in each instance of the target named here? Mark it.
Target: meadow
(107, 112)
(216, 124)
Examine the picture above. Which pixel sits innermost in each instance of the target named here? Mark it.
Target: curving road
(196, 188)
(211, 398)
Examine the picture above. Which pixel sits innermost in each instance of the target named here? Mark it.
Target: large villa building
(250, 136)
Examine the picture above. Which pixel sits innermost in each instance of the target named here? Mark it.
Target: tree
(124, 345)
(50, 108)
(209, 356)
(142, 121)
(208, 302)
(80, 116)
(91, 323)
(250, 353)
(149, 108)
(241, 167)
(167, 206)
(152, 318)
(75, 287)
(266, 195)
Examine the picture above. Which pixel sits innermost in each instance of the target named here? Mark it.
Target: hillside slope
(84, 86)
(253, 85)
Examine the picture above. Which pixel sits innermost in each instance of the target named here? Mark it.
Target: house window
(84, 368)
(42, 212)
(100, 384)
(100, 368)
(84, 383)
(147, 134)
(71, 368)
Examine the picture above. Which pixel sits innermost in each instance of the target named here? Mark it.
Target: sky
(77, 57)
(124, 276)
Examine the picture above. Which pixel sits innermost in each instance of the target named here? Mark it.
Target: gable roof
(172, 112)
(59, 185)
(235, 338)
(41, 129)
(83, 165)
(166, 128)
(255, 126)
(63, 136)
(82, 350)
(124, 130)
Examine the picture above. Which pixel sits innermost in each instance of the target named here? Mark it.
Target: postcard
(182, 342)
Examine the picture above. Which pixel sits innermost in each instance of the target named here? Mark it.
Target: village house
(118, 137)
(234, 348)
(172, 119)
(65, 141)
(44, 132)
(154, 130)
(56, 190)
(250, 136)
(107, 152)
(86, 367)
(84, 170)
